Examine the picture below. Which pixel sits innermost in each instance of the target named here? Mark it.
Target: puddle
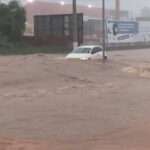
(142, 71)
(130, 70)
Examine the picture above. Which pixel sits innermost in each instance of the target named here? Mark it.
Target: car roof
(90, 46)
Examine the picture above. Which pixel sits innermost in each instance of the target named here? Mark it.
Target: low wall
(124, 46)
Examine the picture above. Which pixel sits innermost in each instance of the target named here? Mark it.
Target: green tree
(12, 20)
(5, 25)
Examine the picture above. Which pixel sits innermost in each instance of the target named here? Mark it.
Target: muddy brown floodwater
(47, 102)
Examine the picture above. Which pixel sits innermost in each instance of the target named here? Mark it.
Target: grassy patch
(21, 49)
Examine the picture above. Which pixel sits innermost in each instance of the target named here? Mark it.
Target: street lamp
(62, 3)
(90, 6)
(75, 31)
(30, 1)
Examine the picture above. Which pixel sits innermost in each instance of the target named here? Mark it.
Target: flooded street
(48, 102)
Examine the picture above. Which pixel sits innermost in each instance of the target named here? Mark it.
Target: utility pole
(104, 29)
(75, 30)
(117, 11)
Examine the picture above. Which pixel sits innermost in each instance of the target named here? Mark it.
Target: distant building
(145, 12)
(144, 24)
(47, 8)
(93, 30)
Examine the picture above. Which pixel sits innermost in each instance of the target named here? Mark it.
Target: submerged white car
(86, 52)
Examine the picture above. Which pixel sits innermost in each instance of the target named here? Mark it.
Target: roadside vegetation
(24, 49)
(12, 22)
(12, 27)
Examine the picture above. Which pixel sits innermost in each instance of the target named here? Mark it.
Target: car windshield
(82, 50)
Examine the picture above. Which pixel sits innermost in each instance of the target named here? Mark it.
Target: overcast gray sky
(133, 5)
(126, 4)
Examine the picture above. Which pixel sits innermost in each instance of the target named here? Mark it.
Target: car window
(96, 50)
(82, 50)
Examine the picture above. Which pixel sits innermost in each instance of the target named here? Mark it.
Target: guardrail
(121, 46)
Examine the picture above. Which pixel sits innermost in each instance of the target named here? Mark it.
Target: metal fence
(58, 27)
